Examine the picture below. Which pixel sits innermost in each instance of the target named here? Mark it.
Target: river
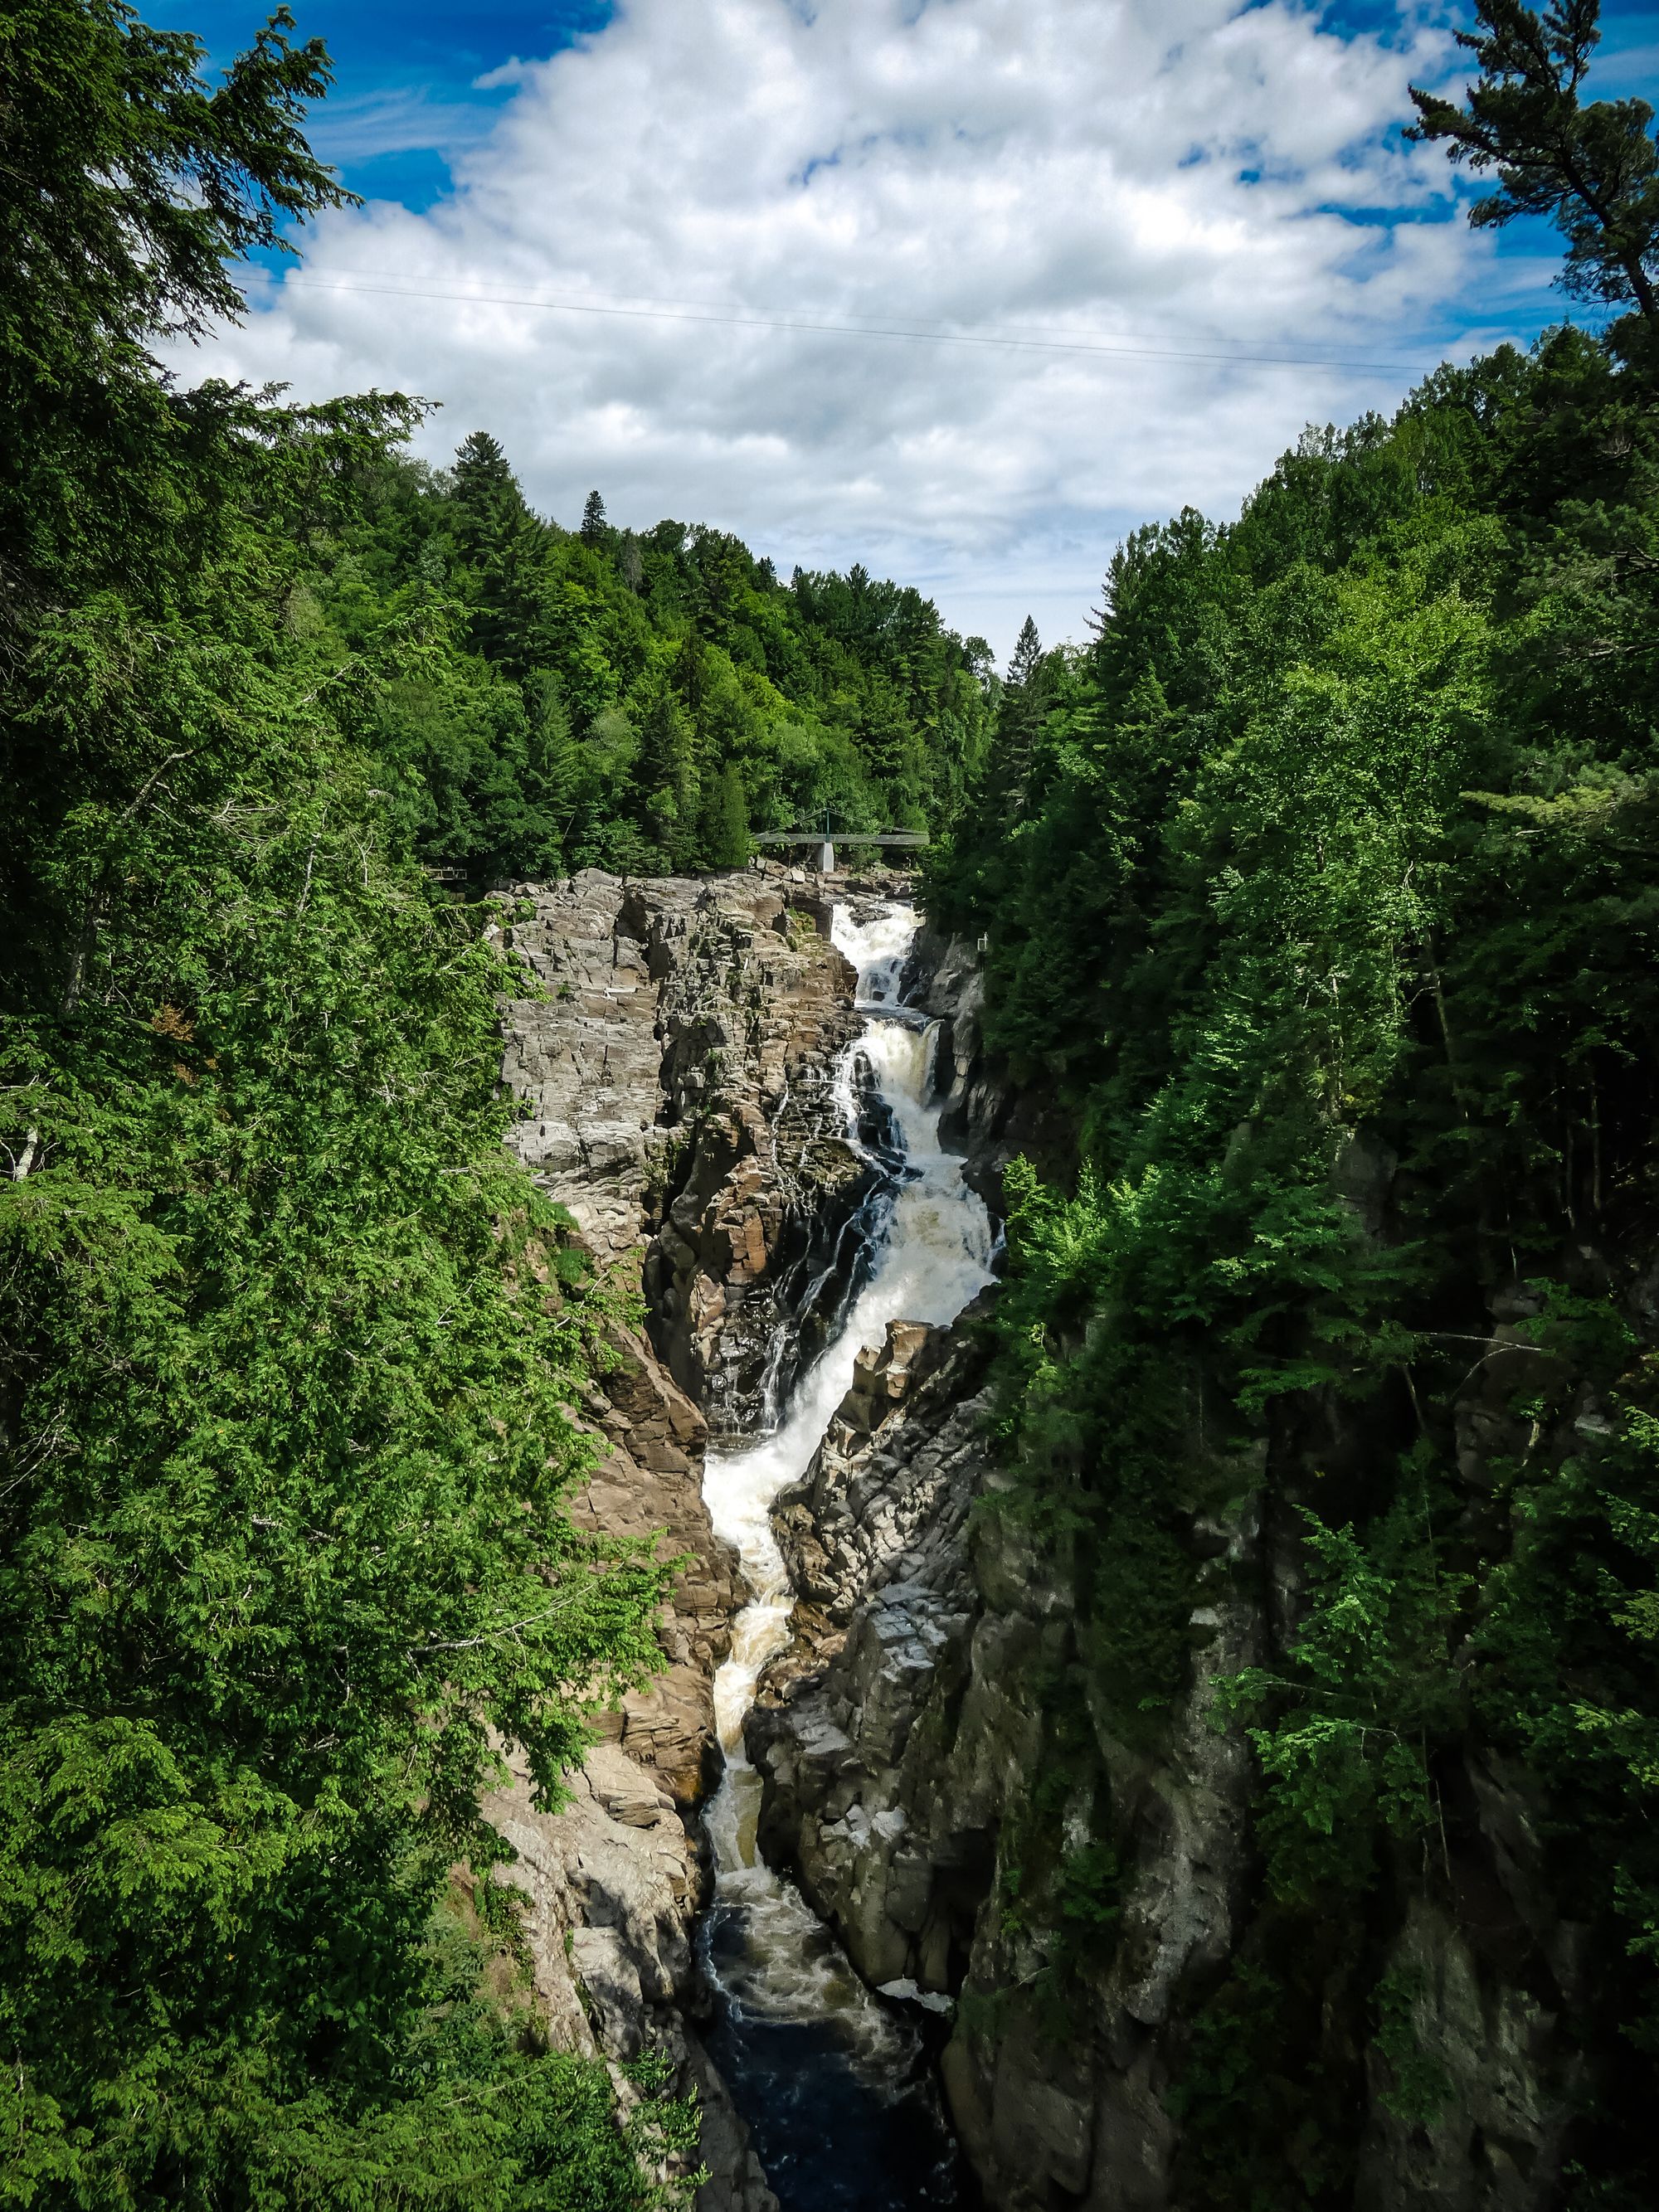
(835, 2083)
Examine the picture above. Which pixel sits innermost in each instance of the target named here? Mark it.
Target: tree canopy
(1325, 932)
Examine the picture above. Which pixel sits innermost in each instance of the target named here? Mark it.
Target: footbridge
(826, 861)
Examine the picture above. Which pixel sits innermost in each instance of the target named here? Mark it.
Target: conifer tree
(667, 773)
(593, 522)
(499, 540)
(1028, 656)
(1020, 715)
(487, 502)
(1595, 168)
(126, 186)
(725, 823)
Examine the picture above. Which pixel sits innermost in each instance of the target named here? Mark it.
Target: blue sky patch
(406, 102)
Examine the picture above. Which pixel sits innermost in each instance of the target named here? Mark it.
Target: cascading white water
(934, 1256)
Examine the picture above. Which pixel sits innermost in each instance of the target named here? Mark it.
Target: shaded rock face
(874, 1538)
(984, 1116)
(904, 1737)
(899, 1756)
(1494, 2140)
(676, 1064)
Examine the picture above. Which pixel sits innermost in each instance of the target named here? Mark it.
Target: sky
(963, 289)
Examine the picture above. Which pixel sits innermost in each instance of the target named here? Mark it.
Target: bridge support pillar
(826, 859)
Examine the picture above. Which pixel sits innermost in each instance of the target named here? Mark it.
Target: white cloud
(398, 119)
(1065, 168)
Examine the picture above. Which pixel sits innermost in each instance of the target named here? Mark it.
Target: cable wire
(935, 336)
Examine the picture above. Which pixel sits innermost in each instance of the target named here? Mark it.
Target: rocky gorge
(862, 1649)
(693, 1099)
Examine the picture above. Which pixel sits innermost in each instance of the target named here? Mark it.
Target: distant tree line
(633, 701)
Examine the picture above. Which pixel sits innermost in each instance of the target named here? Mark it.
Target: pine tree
(499, 542)
(1028, 656)
(1021, 713)
(726, 820)
(1594, 169)
(593, 522)
(487, 494)
(666, 775)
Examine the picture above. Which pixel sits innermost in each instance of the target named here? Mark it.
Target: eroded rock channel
(727, 1086)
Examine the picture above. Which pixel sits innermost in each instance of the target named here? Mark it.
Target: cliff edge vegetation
(289, 1342)
(1322, 887)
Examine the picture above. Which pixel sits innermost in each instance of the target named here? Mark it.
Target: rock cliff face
(676, 1070)
(900, 1758)
(675, 1063)
(910, 1735)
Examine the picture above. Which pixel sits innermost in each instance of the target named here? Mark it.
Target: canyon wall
(674, 1061)
(677, 1065)
(916, 1747)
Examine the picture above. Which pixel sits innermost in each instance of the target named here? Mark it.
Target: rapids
(833, 2082)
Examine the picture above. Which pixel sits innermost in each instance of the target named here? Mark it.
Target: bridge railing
(910, 837)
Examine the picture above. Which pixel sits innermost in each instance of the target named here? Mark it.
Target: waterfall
(831, 2080)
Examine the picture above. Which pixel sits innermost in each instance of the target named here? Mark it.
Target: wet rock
(883, 1496)
(607, 1886)
(984, 1116)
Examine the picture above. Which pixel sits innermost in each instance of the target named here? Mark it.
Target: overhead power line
(915, 335)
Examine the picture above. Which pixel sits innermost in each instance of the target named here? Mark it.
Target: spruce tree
(126, 187)
(593, 522)
(499, 543)
(726, 820)
(667, 777)
(1021, 713)
(489, 504)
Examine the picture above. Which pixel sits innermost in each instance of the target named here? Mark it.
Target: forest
(1321, 893)
(557, 699)
(289, 1342)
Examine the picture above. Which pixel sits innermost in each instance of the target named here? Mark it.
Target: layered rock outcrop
(675, 1059)
(675, 1065)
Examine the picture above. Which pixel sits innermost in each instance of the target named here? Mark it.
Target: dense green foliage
(1322, 892)
(599, 698)
(287, 1343)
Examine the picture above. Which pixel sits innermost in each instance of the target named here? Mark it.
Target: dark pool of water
(829, 2138)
